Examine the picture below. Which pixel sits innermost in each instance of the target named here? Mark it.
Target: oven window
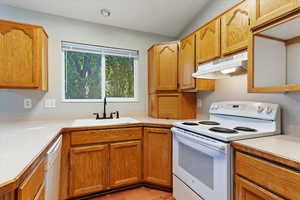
(197, 164)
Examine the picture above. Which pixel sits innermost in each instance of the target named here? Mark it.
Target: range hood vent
(223, 68)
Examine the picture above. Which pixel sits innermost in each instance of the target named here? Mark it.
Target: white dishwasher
(52, 171)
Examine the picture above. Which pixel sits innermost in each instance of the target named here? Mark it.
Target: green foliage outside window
(83, 76)
(119, 76)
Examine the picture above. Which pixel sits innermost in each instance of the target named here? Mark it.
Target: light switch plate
(27, 103)
(50, 103)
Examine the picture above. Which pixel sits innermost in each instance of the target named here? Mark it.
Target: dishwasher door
(52, 171)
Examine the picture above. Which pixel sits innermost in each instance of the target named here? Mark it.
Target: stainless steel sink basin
(104, 122)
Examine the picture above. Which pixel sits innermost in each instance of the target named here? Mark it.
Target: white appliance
(223, 68)
(52, 171)
(202, 155)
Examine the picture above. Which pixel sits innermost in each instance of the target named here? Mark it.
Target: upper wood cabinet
(158, 156)
(89, 169)
(264, 11)
(208, 46)
(173, 105)
(235, 28)
(163, 67)
(23, 56)
(187, 66)
(125, 163)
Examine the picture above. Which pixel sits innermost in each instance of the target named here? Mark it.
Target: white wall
(235, 88)
(59, 28)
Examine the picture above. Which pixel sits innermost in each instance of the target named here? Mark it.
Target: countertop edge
(267, 155)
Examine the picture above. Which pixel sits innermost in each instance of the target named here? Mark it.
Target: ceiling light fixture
(105, 12)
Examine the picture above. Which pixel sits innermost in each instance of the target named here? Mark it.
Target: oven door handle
(199, 140)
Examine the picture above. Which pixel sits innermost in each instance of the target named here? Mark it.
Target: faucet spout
(104, 107)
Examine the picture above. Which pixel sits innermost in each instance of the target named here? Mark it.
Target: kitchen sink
(104, 122)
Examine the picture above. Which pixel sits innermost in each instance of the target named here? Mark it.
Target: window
(93, 72)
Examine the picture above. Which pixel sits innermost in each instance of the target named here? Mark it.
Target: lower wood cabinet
(245, 190)
(260, 179)
(33, 186)
(89, 167)
(104, 159)
(158, 156)
(125, 163)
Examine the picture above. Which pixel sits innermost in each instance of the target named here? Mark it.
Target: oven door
(203, 164)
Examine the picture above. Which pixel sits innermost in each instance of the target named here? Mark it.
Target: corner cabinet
(158, 156)
(187, 66)
(163, 67)
(264, 11)
(208, 42)
(235, 28)
(23, 56)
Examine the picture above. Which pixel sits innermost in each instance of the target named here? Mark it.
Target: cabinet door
(246, 190)
(208, 42)
(158, 156)
(235, 28)
(264, 11)
(187, 65)
(168, 106)
(41, 194)
(33, 183)
(17, 56)
(167, 64)
(125, 163)
(88, 169)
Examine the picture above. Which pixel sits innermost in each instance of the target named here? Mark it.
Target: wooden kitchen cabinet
(89, 169)
(245, 190)
(23, 56)
(125, 163)
(235, 26)
(208, 42)
(264, 11)
(173, 105)
(33, 186)
(163, 67)
(187, 66)
(266, 177)
(158, 156)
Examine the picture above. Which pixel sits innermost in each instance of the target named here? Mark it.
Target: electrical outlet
(27, 103)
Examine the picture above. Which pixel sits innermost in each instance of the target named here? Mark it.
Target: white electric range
(202, 155)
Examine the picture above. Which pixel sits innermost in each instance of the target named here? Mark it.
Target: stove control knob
(269, 110)
(260, 109)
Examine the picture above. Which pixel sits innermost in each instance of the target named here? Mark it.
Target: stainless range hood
(223, 68)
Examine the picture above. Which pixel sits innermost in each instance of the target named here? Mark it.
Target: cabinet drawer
(31, 186)
(275, 178)
(110, 135)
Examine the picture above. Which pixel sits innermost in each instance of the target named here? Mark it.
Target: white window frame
(103, 78)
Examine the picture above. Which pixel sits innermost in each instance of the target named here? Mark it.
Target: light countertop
(282, 148)
(21, 142)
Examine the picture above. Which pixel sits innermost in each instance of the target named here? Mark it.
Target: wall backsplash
(64, 29)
